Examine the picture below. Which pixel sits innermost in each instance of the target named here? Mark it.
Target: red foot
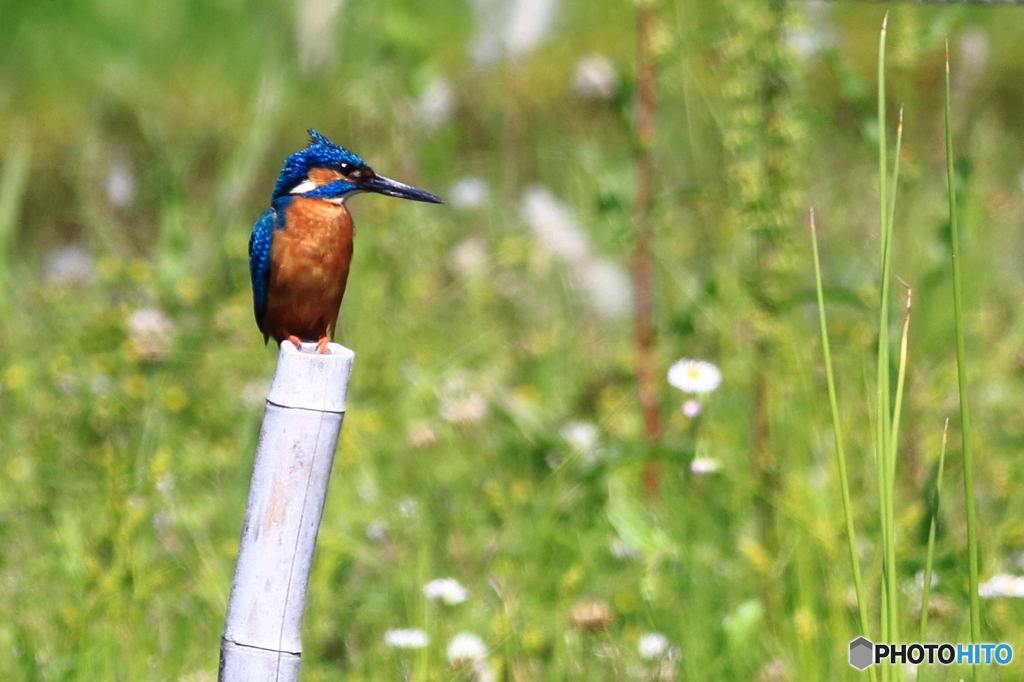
(321, 345)
(294, 339)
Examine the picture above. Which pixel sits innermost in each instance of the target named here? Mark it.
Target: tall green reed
(844, 481)
(888, 408)
(961, 367)
(886, 414)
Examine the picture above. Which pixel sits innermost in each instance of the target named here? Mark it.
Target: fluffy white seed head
(406, 638)
(448, 590)
(466, 647)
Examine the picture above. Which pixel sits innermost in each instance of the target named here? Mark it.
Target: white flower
(469, 258)
(554, 225)
(316, 32)
(974, 47)
(694, 376)
(487, 44)
(468, 193)
(120, 184)
(556, 228)
(409, 638)
(509, 27)
(448, 590)
(367, 490)
(623, 551)
(581, 435)
(459, 403)
(583, 440)
(691, 408)
(611, 292)
(595, 77)
(421, 435)
(408, 507)
(973, 54)
(704, 465)
(528, 25)
(1002, 585)
(150, 332)
(70, 264)
(435, 105)
(100, 384)
(255, 392)
(165, 483)
(466, 647)
(919, 579)
(805, 43)
(652, 645)
(468, 410)
(376, 531)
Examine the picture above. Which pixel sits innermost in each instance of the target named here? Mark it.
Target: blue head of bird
(325, 170)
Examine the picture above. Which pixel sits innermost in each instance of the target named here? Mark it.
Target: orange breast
(309, 262)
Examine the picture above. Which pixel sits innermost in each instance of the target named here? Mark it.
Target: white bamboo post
(262, 639)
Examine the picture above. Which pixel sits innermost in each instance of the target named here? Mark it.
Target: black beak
(393, 188)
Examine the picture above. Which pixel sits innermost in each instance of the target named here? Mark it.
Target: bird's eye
(345, 168)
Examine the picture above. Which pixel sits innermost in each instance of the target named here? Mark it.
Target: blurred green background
(493, 433)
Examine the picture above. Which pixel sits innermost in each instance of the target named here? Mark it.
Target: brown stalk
(641, 261)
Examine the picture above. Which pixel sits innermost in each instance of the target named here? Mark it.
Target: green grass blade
(901, 375)
(961, 367)
(13, 185)
(882, 405)
(927, 588)
(895, 172)
(894, 423)
(844, 483)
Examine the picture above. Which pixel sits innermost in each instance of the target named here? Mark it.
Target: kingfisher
(301, 247)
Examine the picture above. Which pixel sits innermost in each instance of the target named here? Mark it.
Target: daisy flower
(694, 376)
(1002, 586)
(406, 638)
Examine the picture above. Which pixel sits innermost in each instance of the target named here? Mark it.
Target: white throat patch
(306, 185)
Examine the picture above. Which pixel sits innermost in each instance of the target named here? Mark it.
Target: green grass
(837, 429)
(961, 374)
(123, 473)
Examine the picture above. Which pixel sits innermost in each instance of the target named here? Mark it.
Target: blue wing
(259, 262)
